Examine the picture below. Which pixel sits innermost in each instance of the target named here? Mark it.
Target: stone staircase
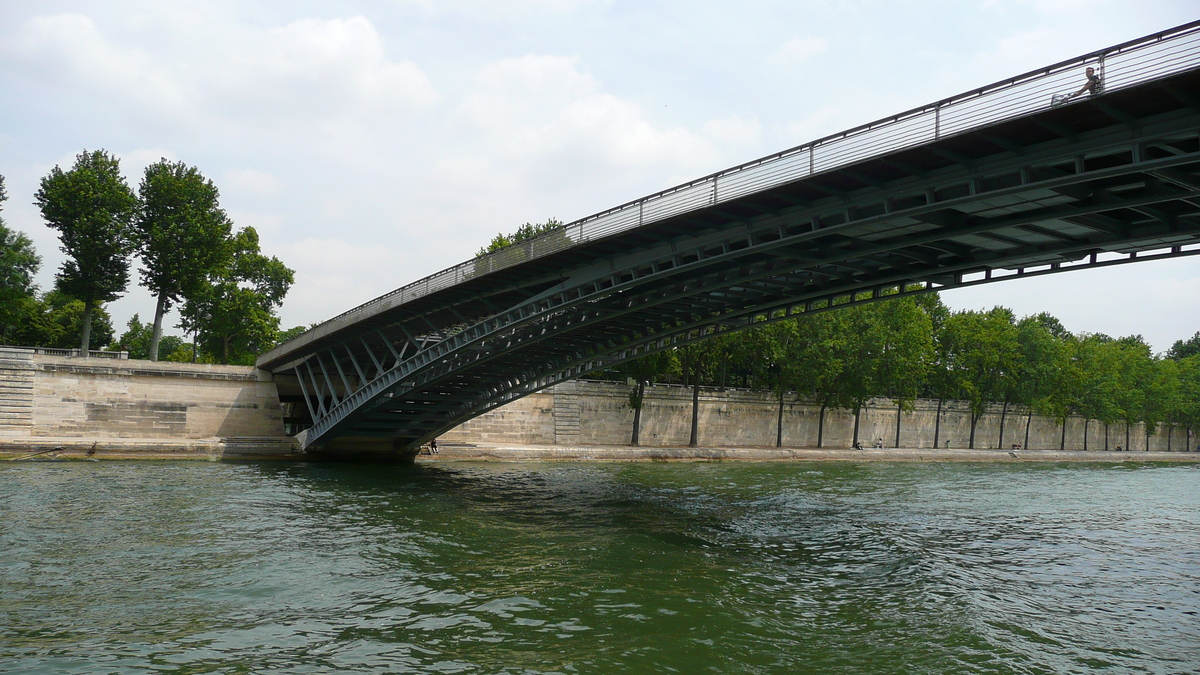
(16, 392)
(566, 414)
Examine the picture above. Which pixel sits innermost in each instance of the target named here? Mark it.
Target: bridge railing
(1131, 63)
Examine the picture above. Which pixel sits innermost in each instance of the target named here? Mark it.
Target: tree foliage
(19, 262)
(92, 208)
(522, 233)
(136, 341)
(232, 312)
(181, 234)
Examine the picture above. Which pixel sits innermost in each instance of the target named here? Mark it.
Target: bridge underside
(1106, 181)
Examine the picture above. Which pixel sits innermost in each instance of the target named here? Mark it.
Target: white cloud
(308, 69)
(318, 68)
(799, 50)
(543, 106)
(734, 131)
(251, 181)
(333, 275)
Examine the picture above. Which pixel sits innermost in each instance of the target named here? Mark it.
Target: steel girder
(1110, 194)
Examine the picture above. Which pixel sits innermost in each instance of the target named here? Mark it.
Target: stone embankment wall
(586, 412)
(54, 396)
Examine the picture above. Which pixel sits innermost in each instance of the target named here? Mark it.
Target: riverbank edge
(286, 449)
(504, 452)
(204, 449)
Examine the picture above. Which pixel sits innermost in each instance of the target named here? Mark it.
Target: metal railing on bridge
(1121, 66)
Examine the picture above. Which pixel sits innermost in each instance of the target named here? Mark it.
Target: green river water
(132, 567)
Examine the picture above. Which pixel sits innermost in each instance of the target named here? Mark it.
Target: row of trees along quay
(227, 291)
(914, 346)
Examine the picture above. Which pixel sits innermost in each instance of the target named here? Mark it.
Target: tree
(696, 362)
(232, 313)
(92, 208)
(1185, 348)
(1134, 382)
(643, 372)
(181, 233)
(63, 320)
(137, 336)
(820, 358)
(1040, 368)
(526, 231)
(982, 352)
(19, 262)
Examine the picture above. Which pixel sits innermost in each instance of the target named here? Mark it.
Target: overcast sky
(374, 142)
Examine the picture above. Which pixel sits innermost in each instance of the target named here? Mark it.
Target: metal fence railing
(1135, 62)
(55, 351)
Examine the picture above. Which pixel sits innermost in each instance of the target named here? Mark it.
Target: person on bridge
(1092, 86)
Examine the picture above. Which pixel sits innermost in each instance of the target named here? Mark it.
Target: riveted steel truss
(1112, 181)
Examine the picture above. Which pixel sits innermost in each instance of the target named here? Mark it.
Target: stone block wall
(52, 396)
(598, 413)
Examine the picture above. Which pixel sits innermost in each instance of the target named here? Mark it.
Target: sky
(371, 143)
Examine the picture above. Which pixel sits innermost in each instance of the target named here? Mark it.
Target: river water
(112, 567)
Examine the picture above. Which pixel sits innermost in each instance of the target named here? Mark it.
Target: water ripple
(883, 568)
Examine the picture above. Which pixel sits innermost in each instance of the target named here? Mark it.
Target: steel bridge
(1001, 182)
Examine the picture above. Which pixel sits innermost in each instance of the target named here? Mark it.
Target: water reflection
(126, 568)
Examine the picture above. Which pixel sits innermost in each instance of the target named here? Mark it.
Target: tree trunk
(86, 338)
(821, 426)
(974, 421)
(225, 350)
(857, 410)
(1028, 422)
(1127, 448)
(156, 332)
(899, 411)
(1062, 442)
(1003, 415)
(779, 422)
(937, 423)
(1086, 423)
(1170, 433)
(695, 438)
(1106, 436)
(637, 412)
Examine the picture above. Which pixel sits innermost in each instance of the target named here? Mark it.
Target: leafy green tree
(92, 208)
(908, 350)
(292, 333)
(526, 231)
(1185, 348)
(1042, 349)
(697, 361)
(890, 347)
(181, 233)
(232, 314)
(137, 336)
(1090, 382)
(65, 316)
(1134, 382)
(821, 354)
(19, 262)
(982, 351)
(779, 354)
(643, 371)
(1187, 409)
